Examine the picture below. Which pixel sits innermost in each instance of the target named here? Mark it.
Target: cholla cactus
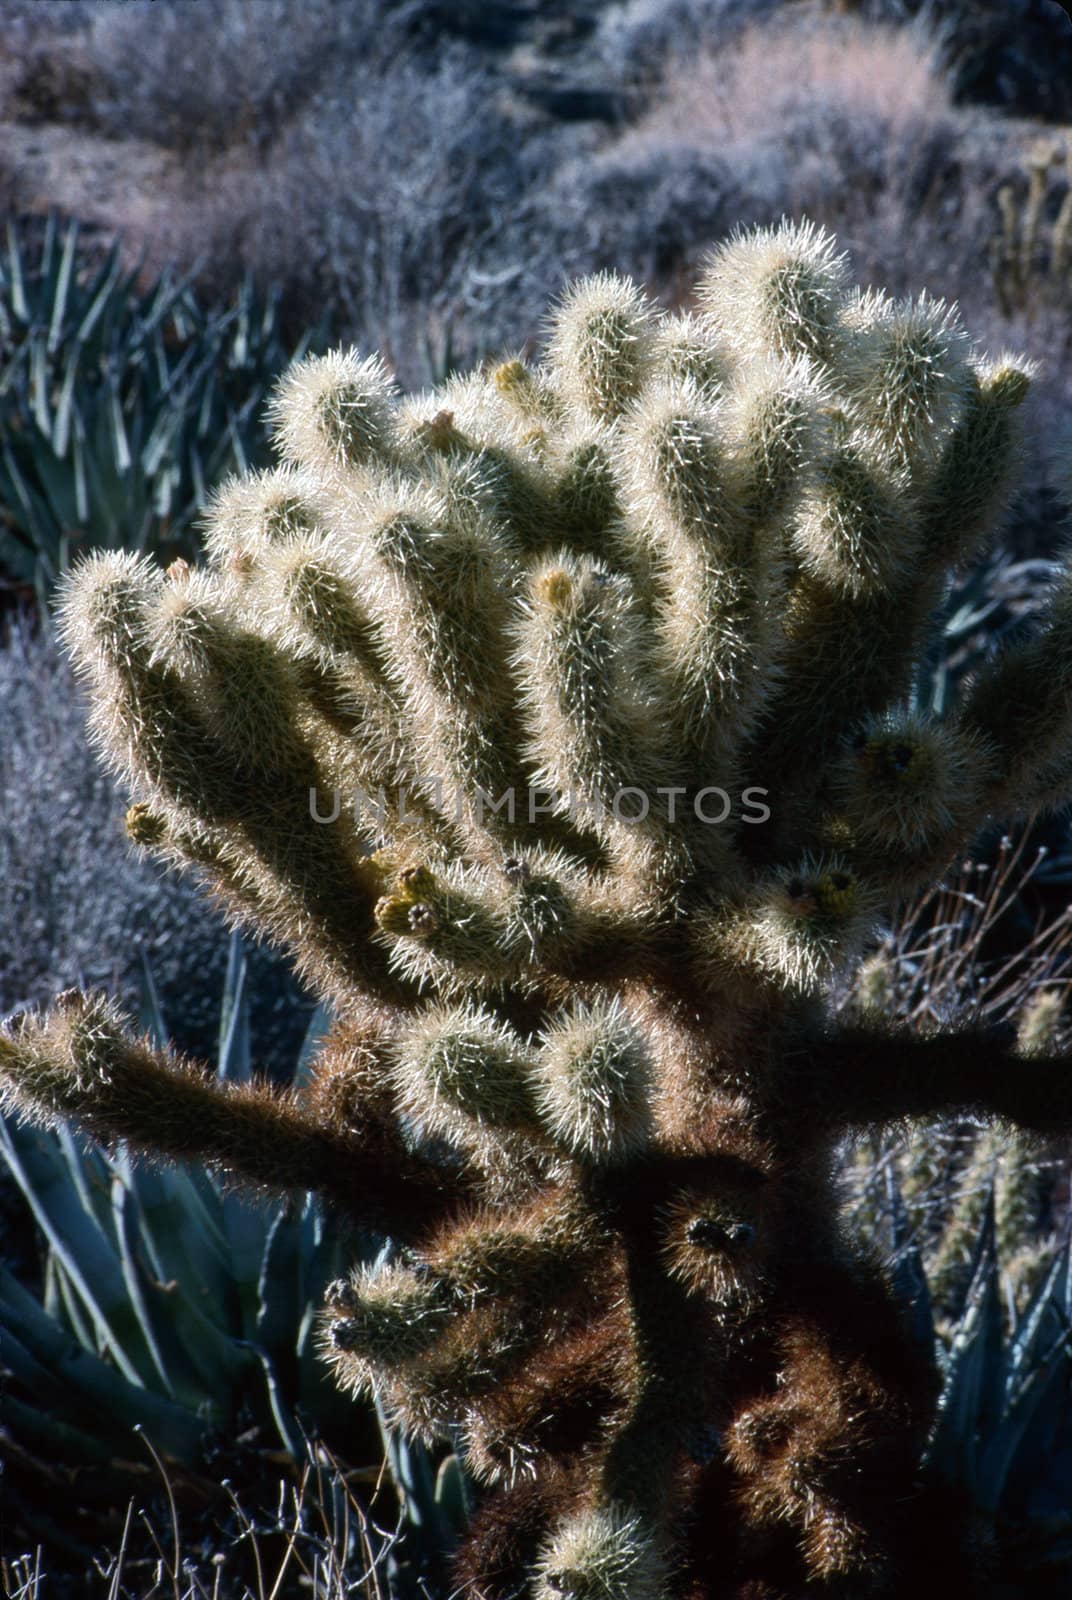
(558, 722)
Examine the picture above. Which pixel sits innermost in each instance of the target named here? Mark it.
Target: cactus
(560, 722)
(1031, 253)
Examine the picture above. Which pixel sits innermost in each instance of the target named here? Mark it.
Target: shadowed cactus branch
(608, 660)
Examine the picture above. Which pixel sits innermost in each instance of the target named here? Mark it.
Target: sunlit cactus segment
(777, 291)
(601, 1555)
(459, 1066)
(592, 1083)
(600, 344)
(335, 411)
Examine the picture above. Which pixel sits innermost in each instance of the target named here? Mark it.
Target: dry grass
(320, 1539)
(983, 945)
(843, 120)
(773, 75)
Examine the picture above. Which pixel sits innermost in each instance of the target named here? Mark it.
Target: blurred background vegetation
(196, 191)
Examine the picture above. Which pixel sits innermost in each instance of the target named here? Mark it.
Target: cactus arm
(1050, 789)
(862, 1076)
(200, 715)
(80, 1063)
(1021, 703)
(972, 476)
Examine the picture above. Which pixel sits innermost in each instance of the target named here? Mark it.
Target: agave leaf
(411, 1469)
(55, 1438)
(61, 426)
(159, 354)
(34, 511)
(81, 484)
(189, 1301)
(13, 378)
(99, 294)
(183, 1236)
(235, 436)
(20, 1361)
(319, 1025)
(197, 474)
(83, 1374)
(74, 1313)
(56, 478)
(63, 285)
(39, 377)
(241, 341)
(1046, 1306)
(87, 1171)
(1039, 1369)
(52, 1301)
(247, 1228)
(907, 1271)
(328, 1253)
(281, 1290)
(121, 450)
(125, 1231)
(17, 278)
(280, 1407)
(87, 1255)
(151, 1015)
(1026, 1436)
(207, 406)
(104, 492)
(971, 1400)
(48, 250)
(159, 448)
(234, 1060)
(452, 1496)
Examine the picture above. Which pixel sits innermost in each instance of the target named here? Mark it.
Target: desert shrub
(636, 39)
(188, 73)
(1016, 54)
(809, 113)
(646, 205)
(404, 202)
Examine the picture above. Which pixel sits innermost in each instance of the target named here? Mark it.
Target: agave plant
(179, 1310)
(121, 405)
(1003, 1432)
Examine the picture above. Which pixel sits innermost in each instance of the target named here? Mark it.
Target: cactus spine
(615, 651)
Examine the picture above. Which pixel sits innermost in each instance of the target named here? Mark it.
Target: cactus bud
(906, 780)
(1040, 1027)
(145, 826)
(390, 1314)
